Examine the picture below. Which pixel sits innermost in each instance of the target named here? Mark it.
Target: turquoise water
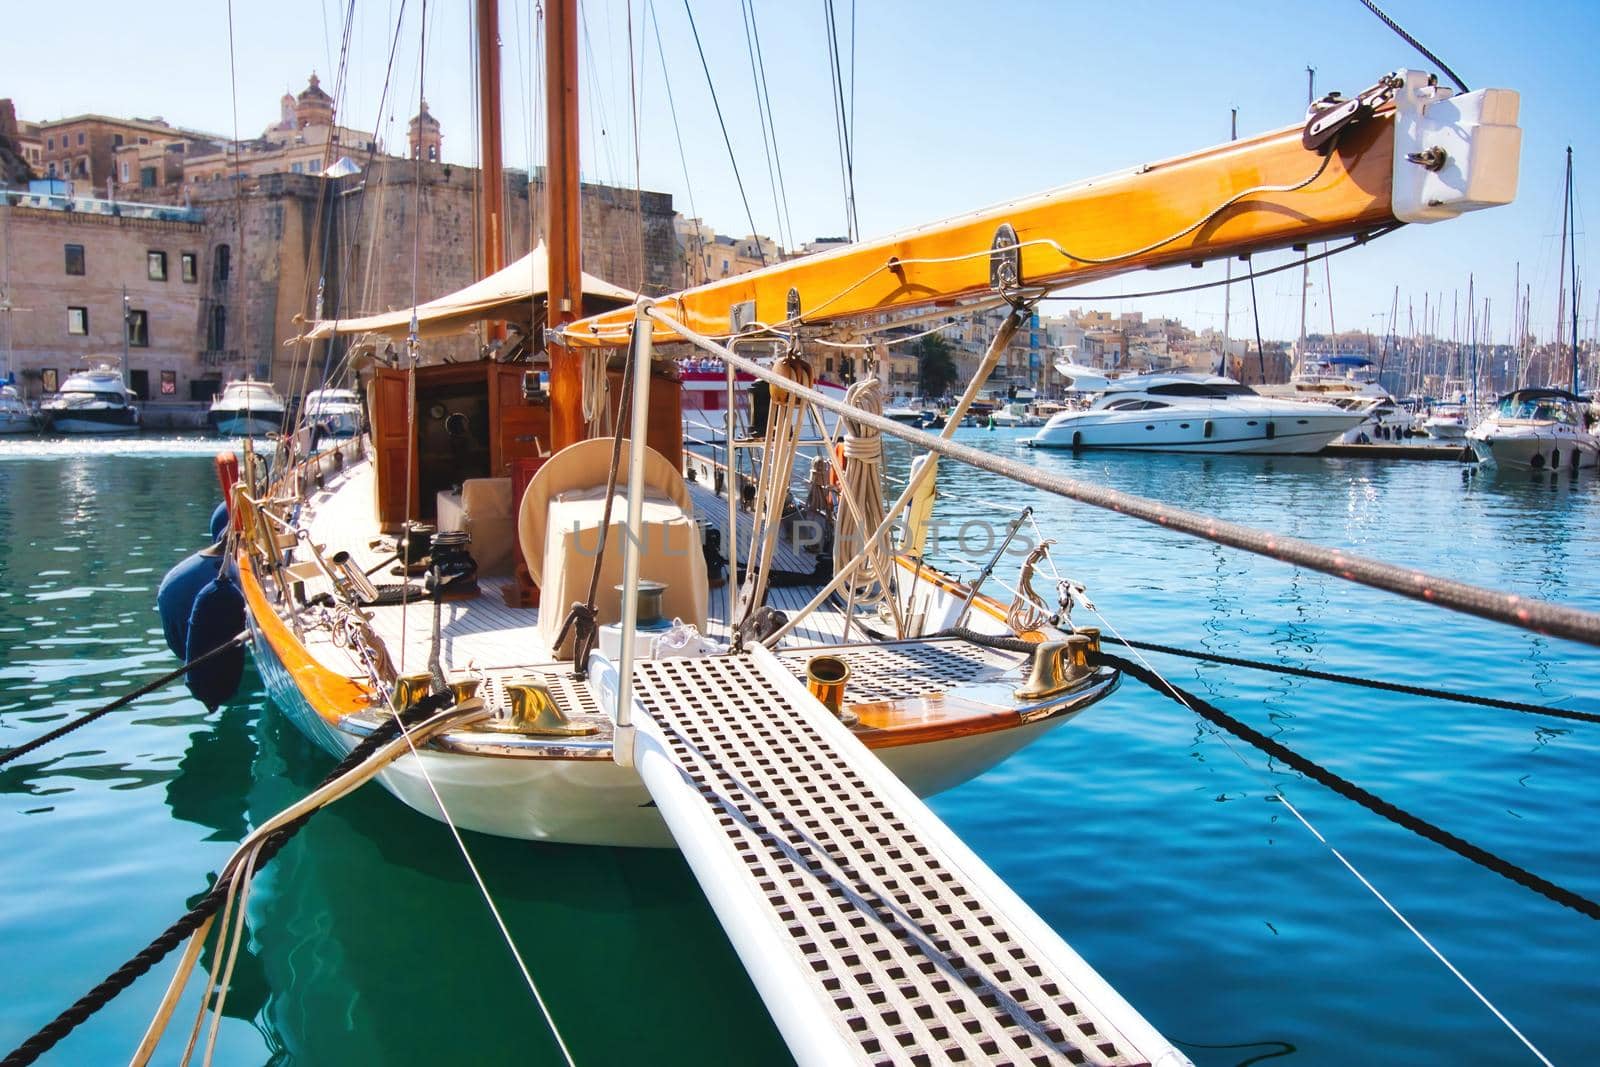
(1141, 836)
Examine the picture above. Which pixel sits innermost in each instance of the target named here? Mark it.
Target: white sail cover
(494, 297)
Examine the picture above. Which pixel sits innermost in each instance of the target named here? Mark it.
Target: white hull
(246, 424)
(1445, 431)
(12, 422)
(1192, 431)
(1516, 448)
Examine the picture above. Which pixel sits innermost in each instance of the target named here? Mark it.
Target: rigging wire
(1414, 43)
(772, 121)
(726, 140)
(683, 159)
(841, 122)
(1186, 700)
(787, 237)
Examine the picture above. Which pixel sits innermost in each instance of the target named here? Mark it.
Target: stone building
(75, 277)
(304, 140)
(423, 136)
(84, 148)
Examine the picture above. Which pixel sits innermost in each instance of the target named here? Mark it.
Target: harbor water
(1155, 846)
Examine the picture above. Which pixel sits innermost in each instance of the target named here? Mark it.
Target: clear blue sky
(954, 108)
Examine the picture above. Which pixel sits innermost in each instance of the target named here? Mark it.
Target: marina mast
(563, 219)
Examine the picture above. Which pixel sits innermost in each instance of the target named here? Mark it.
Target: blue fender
(217, 618)
(219, 521)
(176, 595)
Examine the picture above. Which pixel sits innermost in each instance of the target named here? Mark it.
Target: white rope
(1277, 794)
(863, 484)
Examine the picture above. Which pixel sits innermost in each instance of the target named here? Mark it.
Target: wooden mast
(563, 222)
(491, 156)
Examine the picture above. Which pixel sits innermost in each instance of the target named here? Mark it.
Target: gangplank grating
(913, 963)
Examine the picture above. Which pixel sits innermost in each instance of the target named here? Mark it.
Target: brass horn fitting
(534, 712)
(410, 688)
(464, 689)
(1057, 666)
(825, 677)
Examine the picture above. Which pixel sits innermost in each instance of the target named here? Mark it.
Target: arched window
(217, 337)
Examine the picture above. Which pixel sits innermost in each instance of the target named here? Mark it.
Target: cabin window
(78, 321)
(217, 336)
(74, 259)
(223, 263)
(189, 263)
(138, 328)
(156, 265)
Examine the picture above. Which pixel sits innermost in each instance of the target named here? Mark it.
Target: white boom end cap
(1470, 146)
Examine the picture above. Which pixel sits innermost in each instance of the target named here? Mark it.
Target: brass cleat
(534, 713)
(464, 689)
(410, 688)
(1057, 667)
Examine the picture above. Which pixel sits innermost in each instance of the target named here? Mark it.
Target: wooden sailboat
(630, 698)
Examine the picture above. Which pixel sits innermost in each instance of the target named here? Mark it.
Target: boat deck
(483, 634)
(872, 933)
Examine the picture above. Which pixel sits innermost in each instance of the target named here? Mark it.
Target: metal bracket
(1328, 117)
(791, 306)
(1005, 261)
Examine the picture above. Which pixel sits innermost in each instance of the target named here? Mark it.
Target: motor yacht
(1537, 429)
(247, 408)
(92, 401)
(15, 415)
(1351, 383)
(1447, 421)
(336, 411)
(1194, 413)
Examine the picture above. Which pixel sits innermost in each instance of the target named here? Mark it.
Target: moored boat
(247, 408)
(333, 412)
(94, 401)
(1194, 413)
(15, 415)
(1537, 429)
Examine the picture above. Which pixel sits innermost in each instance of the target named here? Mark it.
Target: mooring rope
(1365, 683)
(122, 701)
(1350, 791)
(147, 957)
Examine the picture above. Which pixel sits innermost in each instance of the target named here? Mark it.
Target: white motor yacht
(1014, 414)
(247, 408)
(1348, 382)
(92, 401)
(1447, 422)
(336, 411)
(1537, 429)
(1194, 413)
(15, 415)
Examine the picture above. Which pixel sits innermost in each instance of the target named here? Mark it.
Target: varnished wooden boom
(1098, 219)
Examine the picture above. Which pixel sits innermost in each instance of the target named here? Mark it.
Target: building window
(433, 153)
(156, 265)
(144, 140)
(78, 321)
(83, 168)
(48, 380)
(217, 337)
(169, 383)
(124, 170)
(147, 177)
(75, 259)
(80, 140)
(294, 168)
(52, 169)
(223, 266)
(116, 140)
(189, 264)
(50, 143)
(138, 328)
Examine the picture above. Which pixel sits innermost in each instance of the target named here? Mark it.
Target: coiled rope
(1365, 683)
(147, 957)
(1350, 791)
(863, 455)
(121, 702)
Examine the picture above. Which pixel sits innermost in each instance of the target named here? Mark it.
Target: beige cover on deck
(558, 526)
(498, 296)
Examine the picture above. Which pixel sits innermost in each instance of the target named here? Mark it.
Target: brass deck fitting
(410, 688)
(533, 712)
(1057, 666)
(825, 678)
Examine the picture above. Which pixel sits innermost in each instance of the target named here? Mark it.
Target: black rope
(122, 701)
(1414, 43)
(174, 935)
(1350, 791)
(1366, 683)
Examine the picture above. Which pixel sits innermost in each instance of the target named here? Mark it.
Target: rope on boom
(863, 464)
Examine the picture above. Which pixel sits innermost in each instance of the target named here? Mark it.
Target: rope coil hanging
(862, 447)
